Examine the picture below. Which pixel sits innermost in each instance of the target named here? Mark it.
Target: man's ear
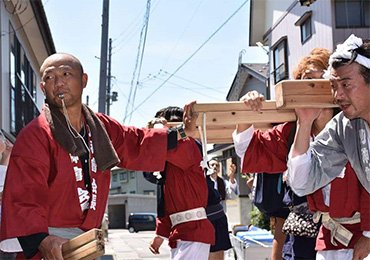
(42, 87)
(84, 80)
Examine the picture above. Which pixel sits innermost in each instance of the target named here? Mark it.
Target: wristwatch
(181, 130)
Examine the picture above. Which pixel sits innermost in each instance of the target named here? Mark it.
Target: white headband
(345, 50)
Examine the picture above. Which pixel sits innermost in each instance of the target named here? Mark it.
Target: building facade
(288, 30)
(25, 42)
(130, 182)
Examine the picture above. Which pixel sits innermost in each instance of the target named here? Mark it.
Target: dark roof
(256, 70)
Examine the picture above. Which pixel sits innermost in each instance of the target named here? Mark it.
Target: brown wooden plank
(74, 243)
(88, 251)
(222, 134)
(291, 94)
(230, 106)
(247, 117)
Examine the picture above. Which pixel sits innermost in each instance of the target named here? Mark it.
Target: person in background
(226, 188)
(214, 209)
(267, 151)
(11, 245)
(334, 165)
(65, 155)
(182, 198)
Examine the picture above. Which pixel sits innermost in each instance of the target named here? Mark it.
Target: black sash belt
(215, 211)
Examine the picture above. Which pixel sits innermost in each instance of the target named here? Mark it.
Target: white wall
(322, 33)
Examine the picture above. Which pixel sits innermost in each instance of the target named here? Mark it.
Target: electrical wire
(129, 35)
(182, 33)
(195, 83)
(139, 61)
(188, 59)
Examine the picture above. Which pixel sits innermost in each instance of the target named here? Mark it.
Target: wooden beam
(316, 93)
(231, 106)
(89, 244)
(234, 112)
(221, 134)
(247, 117)
(87, 251)
(222, 117)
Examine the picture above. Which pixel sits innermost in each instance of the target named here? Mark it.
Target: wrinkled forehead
(344, 72)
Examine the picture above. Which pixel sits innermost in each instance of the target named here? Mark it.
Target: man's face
(215, 167)
(351, 92)
(312, 73)
(61, 75)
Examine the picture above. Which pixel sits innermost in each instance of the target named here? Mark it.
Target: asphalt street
(122, 245)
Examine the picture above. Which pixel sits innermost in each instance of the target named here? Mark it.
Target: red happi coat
(347, 196)
(185, 188)
(41, 189)
(268, 152)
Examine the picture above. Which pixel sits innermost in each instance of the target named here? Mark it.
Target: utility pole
(109, 76)
(103, 58)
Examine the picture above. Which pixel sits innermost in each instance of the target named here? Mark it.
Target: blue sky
(176, 30)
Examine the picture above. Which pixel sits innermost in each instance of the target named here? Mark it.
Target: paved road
(123, 245)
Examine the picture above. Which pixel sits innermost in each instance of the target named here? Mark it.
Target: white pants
(342, 254)
(187, 250)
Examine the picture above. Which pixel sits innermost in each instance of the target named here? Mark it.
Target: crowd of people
(58, 171)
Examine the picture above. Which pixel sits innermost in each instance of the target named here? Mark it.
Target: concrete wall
(122, 205)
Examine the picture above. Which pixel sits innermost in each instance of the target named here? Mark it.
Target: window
(352, 13)
(305, 22)
(123, 177)
(114, 177)
(149, 192)
(280, 60)
(22, 81)
(132, 175)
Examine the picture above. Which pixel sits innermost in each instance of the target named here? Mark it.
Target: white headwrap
(345, 50)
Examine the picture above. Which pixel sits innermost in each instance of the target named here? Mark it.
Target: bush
(259, 219)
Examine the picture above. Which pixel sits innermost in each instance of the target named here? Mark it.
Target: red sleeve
(365, 209)
(138, 148)
(163, 227)
(268, 151)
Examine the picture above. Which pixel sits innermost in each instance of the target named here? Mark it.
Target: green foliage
(259, 219)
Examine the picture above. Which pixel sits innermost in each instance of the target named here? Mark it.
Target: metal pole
(103, 58)
(109, 76)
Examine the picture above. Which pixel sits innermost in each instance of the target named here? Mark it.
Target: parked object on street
(141, 222)
(251, 243)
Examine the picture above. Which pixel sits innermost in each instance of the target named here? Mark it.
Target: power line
(193, 82)
(131, 30)
(188, 59)
(182, 33)
(191, 90)
(139, 61)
